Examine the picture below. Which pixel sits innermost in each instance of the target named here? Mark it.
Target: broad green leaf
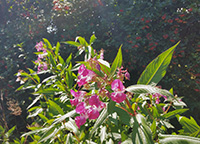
(117, 63)
(102, 117)
(35, 113)
(92, 39)
(56, 107)
(190, 126)
(48, 91)
(34, 101)
(105, 66)
(52, 60)
(61, 60)
(63, 117)
(177, 139)
(47, 43)
(153, 128)
(173, 113)
(111, 106)
(148, 89)
(141, 132)
(76, 44)
(57, 48)
(9, 132)
(82, 41)
(44, 118)
(123, 115)
(69, 59)
(156, 70)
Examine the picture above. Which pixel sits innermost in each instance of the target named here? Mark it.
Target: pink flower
(94, 100)
(117, 85)
(80, 120)
(118, 96)
(78, 97)
(39, 46)
(93, 113)
(85, 75)
(80, 108)
(118, 88)
(127, 75)
(45, 67)
(74, 102)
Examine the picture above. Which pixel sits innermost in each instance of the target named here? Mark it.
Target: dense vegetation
(144, 28)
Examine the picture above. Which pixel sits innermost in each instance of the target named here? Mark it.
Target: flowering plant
(89, 103)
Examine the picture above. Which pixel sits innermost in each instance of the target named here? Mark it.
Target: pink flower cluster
(89, 106)
(92, 112)
(118, 95)
(85, 75)
(41, 65)
(157, 97)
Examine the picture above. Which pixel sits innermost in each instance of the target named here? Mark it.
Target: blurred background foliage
(145, 28)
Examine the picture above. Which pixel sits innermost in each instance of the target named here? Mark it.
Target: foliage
(92, 105)
(144, 28)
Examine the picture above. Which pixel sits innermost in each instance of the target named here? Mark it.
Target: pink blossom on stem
(118, 94)
(39, 46)
(127, 75)
(118, 97)
(80, 120)
(117, 85)
(93, 113)
(85, 75)
(80, 108)
(94, 100)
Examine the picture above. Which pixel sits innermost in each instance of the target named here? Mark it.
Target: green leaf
(111, 106)
(76, 44)
(10, 131)
(117, 63)
(156, 70)
(153, 128)
(148, 89)
(102, 117)
(61, 60)
(141, 132)
(44, 118)
(63, 117)
(82, 41)
(47, 43)
(47, 91)
(57, 48)
(173, 113)
(56, 107)
(177, 139)
(123, 115)
(190, 126)
(52, 60)
(92, 39)
(69, 59)
(34, 101)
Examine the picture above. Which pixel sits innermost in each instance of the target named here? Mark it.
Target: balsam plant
(88, 102)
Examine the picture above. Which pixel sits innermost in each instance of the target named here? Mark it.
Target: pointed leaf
(177, 139)
(148, 89)
(172, 114)
(56, 107)
(117, 63)
(156, 70)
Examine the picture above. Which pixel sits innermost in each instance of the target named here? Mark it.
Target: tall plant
(88, 102)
